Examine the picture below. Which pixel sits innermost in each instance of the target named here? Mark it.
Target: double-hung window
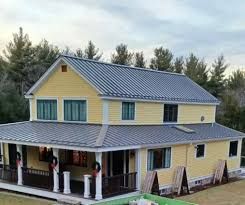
(75, 110)
(47, 109)
(170, 113)
(233, 148)
(159, 158)
(128, 110)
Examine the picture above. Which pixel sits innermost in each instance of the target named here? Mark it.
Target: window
(128, 110)
(78, 158)
(64, 68)
(170, 113)
(233, 148)
(45, 154)
(75, 110)
(159, 158)
(200, 150)
(47, 109)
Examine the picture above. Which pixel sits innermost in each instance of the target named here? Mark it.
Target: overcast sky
(205, 27)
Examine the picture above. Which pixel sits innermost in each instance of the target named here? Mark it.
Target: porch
(117, 175)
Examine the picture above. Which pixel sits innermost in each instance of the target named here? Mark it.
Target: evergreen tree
(236, 80)
(122, 56)
(91, 52)
(140, 60)
(19, 53)
(44, 55)
(196, 70)
(178, 66)
(162, 59)
(216, 83)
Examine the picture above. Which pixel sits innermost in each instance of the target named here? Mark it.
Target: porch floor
(44, 193)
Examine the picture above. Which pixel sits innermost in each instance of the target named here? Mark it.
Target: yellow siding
(152, 113)
(195, 167)
(33, 159)
(214, 151)
(5, 153)
(70, 84)
(146, 113)
(188, 114)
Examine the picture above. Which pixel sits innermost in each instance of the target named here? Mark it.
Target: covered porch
(69, 171)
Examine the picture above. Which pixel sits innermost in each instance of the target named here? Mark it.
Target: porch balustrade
(115, 185)
(8, 173)
(37, 178)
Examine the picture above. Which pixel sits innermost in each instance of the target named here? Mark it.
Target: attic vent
(64, 68)
(184, 129)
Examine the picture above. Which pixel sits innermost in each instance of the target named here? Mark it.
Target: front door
(117, 162)
(12, 155)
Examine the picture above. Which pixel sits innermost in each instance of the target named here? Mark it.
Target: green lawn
(228, 194)
(16, 199)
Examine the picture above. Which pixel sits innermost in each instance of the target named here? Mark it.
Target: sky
(207, 28)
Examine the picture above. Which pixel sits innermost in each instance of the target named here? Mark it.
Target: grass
(227, 194)
(17, 199)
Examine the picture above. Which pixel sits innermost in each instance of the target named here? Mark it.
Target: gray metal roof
(128, 82)
(106, 136)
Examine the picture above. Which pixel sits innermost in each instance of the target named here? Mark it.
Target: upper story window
(128, 110)
(47, 109)
(159, 158)
(233, 148)
(200, 150)
(170, 113)
(75, 110)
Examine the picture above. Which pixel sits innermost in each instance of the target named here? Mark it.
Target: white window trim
(238, 144)
(160, 169)
(47, 98)
(74, 98)
(135, 110)
(170, 123)
(204, 156)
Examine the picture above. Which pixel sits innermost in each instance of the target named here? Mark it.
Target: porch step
(67, 202)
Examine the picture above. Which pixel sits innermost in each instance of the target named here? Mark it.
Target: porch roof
(97, 136)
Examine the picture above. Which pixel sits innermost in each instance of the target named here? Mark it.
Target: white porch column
(67, 189)
(98, 194)
(138, 168)
(87, 186)
(56, 170)
(20, 164)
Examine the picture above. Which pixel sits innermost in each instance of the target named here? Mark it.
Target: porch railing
(118, 184)
(37, 178)
(8, 173)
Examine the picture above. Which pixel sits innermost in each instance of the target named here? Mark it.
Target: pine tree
(196, 69)
(19, 53)
(122, 56)
(178, 66)
(216, 83)
(162, 59)
(91, 52)
(140, 60)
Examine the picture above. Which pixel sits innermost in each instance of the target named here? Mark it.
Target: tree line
(23, 63)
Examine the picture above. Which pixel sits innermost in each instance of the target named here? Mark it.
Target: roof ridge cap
(123, 66)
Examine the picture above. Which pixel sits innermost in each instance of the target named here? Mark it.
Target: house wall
(152, 113)
(5, 153)
(69, 84)
(184, 155)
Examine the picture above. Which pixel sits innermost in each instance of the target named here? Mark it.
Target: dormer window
(47, 109)
(170, 113)
(128, 110)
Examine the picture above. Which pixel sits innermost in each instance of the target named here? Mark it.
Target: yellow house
(115, 123)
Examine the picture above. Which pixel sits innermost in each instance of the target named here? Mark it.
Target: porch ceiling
(95, 137)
